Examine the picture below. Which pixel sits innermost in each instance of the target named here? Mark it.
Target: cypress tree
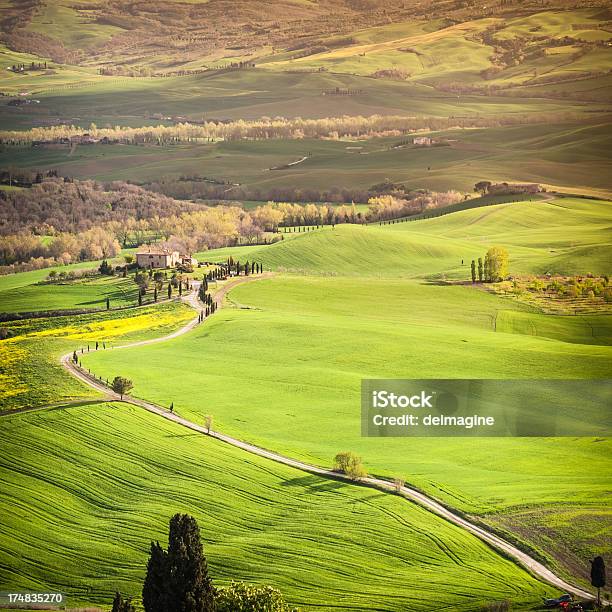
(154, 589)
(169, 290)
(190, 588)
(480, 275)
(74, 357)
(598, 576)
(487, 268)
(180, 287)
(473, 271)
(139, 298)
(107, 303)
(155, 294)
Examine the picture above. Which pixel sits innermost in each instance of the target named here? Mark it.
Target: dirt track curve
(534, 566)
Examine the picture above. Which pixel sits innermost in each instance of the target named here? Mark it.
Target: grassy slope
(22, 292)
(31, 375)
(574, 156)
(80, 474)
(86, 293)
(295, 358)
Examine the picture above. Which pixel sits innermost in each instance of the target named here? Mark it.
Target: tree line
(59, 222)
(273, 128)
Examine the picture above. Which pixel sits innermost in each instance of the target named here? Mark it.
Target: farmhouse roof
(155, 251)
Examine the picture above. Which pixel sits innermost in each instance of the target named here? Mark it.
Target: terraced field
(283, 369)
(84, 473)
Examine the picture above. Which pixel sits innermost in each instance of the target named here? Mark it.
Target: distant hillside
(180, 34)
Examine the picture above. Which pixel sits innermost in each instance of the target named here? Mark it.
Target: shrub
(350, 464)
(241, 597)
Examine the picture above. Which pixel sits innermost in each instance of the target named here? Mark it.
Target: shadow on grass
(315, 483)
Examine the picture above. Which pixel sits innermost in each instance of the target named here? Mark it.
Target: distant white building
(157, 257)
(422, 141)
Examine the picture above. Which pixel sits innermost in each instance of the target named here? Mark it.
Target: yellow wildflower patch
(105, 330)
(10, 356)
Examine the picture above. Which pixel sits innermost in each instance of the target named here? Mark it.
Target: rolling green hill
(561, 236)
(75, 476)
(368, 303)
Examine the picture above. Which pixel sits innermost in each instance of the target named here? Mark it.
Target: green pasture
(30, 372)
(82, 293)
(77, 95)
(29, 291)
(283, 368)
(572, 156)
(72, 476)
(436, 52)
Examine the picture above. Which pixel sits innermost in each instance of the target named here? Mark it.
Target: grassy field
(434, 52)
(82, 293)
(574, 156)
(426, 52)
(80, 474)
(30, 373)
(29, 291)
(283, 368)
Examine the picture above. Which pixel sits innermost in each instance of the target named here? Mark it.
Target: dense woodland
(58, 221)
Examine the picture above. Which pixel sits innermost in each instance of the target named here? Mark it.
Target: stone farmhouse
(157, 257)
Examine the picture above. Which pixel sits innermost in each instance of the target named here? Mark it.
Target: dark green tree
(121, 385)
(139, 298)
(75, 359)
(154, 589)
(482, 187)
(473, 271)
(480, 270)
(105, 268)
(107, 303)
(190, 588)
(155, 294)
(169, 290)
(598, 576)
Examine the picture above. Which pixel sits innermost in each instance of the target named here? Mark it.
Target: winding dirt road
(534, 566)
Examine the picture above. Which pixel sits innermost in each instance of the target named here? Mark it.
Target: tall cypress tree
(473, 271)
(190, 588)
(480, 271)
(598, 576)
(155, 587)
